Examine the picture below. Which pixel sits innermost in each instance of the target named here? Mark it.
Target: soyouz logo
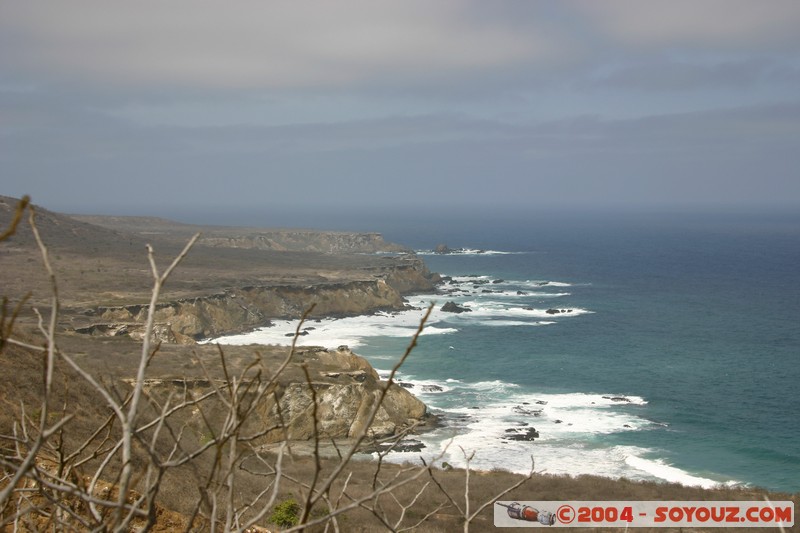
(528, 513)
(643, 514)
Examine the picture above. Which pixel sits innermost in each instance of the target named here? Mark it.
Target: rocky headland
(233, 280)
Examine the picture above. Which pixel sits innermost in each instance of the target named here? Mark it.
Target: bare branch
(17, 218)
(374, 411)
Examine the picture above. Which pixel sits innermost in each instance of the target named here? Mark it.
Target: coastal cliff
(345, 389)
(234, 310)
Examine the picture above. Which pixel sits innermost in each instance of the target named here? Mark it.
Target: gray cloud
(715, 156)
(146, 104)
(254, 44)
(710, 24)
(687, 76)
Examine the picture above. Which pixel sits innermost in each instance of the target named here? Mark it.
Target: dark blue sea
(674, 354)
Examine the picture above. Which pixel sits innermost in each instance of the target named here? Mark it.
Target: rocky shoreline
(242, 309)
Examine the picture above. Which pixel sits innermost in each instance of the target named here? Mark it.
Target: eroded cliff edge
(242, 308)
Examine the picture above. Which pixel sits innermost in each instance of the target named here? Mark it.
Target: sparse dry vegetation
(83, 450)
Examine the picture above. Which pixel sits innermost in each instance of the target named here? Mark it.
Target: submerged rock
(528, 434)
(527, 412)
(617, 398)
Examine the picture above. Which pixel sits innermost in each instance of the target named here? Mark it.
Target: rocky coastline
(233, 280)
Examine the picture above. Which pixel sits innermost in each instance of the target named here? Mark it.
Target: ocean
(675, 354)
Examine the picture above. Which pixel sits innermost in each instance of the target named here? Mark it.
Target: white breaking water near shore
(567, 425)
(492, 418)
(493, 308)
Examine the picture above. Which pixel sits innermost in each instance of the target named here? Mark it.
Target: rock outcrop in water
(452, 307)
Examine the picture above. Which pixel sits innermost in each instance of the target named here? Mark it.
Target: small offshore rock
(528, 412)
(452, 307)
(528, 435)
(617, 398)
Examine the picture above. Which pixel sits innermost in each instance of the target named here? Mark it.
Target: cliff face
(249, 307)
(345, 388)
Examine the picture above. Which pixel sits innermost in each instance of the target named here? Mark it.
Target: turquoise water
(692, 323)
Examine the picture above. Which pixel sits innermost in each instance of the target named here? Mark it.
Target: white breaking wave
(551, 283)
(661, 470)
(515, 294)
(352, 331)
(565, 423)
(468, 251)
(332, 332)
(490, 281)
(483, 308)
(513, 323)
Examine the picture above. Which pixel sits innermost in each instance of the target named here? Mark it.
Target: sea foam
(332, 332)
(504, 308)
(659, 469)
(566, 422)
(468, 251)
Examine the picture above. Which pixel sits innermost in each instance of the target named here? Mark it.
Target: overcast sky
(146, 106)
